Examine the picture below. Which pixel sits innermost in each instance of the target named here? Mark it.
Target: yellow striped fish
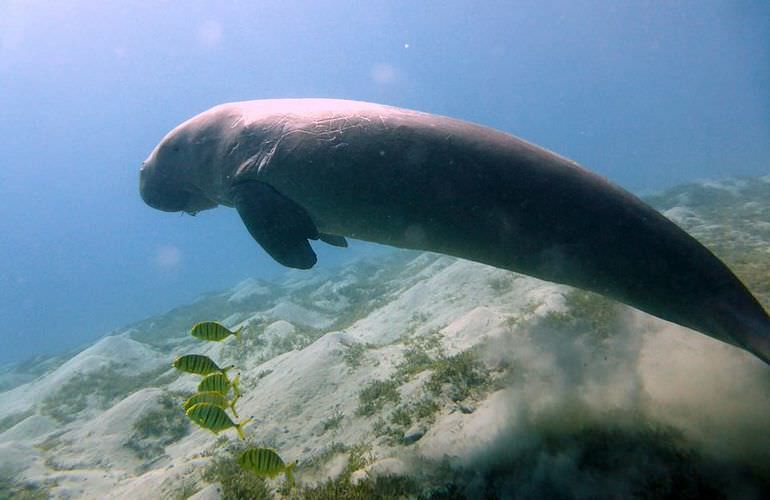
(266, 462)
(212, 398)
(214, 418)
(219, 382)
(198, 364)
(211, 330)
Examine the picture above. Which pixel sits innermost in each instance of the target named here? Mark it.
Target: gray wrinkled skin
(420, 181)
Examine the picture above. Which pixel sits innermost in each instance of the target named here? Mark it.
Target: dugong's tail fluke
(758, 340)
(748, 326)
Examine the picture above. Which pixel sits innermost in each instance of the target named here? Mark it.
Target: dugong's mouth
(168, 196)
(160, 193)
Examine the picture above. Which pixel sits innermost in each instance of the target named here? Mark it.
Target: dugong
(306, 169)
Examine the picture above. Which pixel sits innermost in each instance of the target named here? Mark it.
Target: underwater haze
(648, 94)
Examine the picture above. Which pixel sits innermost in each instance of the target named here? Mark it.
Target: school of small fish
(209, 405)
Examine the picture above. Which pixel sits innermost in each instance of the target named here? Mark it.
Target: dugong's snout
(160, 193)
(164, 193)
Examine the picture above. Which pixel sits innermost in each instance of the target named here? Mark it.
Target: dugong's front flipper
(333, 239)
(278, 224)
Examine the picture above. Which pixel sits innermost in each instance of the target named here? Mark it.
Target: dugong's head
(180, 174)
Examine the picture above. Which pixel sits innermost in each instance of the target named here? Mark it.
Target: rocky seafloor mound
(421, 376)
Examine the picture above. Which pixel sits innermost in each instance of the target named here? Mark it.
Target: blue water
(646, 93)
